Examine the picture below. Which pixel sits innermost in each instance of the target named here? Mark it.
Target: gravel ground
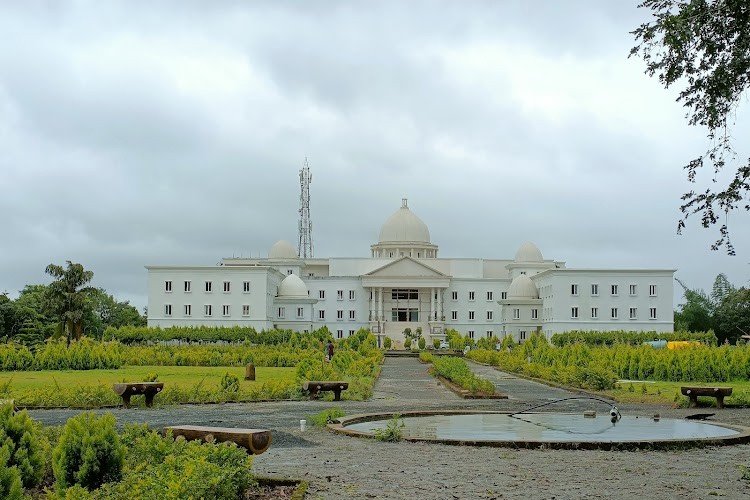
(344, 467)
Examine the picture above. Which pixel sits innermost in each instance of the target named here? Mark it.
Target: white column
(380, 304)
(372, 304)
(440, 303)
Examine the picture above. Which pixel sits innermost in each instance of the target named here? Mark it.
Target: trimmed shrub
(26, 444)
(89, 452)
(11, 487)
(387, 343)
(422, 343)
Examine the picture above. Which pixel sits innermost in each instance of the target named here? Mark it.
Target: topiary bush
(89, 452)
(407, 343)
(10, 477)
(422, 343)
(230, 383)
(387, 343)
(26, 444)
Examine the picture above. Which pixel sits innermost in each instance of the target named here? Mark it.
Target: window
(405, 314)
(489, 315)
(652, 313)
(167, 309)
(633, 313)
(321, 314)
(167, 286)
(489, 334)
(471, 334)
(454, 295)
(471, 314)
(574, 312)
(351, 333)
(454, 315)
(504, 295)
(594, 313)
(516, 314)
(289, 271)
(351, 315)
(209, 286)
(535, 314)
(340, 294)
(282, 312)
(594, 289)
(522, 335)
(339, 334)
(207, 310)
(300, 312)
(405, 294)
(614, 289)
(614, 313)
(471, 295)
(633, 289)
(523, 272)
(225, 310)
(188, 309)
(322, 294)
(227, 287)
(574, 289)
(352, 295)
(246, 310)
(187, 286)
(652, 290)
(246, 287)
(489, 295)
(339, 314)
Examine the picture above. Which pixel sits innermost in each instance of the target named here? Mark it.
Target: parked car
(444, 344)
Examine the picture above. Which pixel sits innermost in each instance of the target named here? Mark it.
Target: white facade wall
(161, 300)
(331, 304)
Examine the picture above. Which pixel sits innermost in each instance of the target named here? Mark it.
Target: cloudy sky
(140, 133)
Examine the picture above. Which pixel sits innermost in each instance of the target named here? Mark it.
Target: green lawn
(669, 392)
(170, 375)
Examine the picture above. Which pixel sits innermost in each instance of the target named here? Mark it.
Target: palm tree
(66, 297)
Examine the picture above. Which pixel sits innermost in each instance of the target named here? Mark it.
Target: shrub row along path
(343, 467)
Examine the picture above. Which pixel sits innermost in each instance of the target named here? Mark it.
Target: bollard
(250, 372)
(302, 425)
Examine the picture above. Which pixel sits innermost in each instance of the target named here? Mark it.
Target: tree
(67, 297)
(733, 316)
(704, 44)
(697, 313)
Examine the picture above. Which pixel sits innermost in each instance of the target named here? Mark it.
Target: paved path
(342, 467)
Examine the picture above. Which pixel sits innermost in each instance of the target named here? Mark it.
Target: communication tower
(305, 246)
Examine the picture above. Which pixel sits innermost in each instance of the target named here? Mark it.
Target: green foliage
(611, 338)
(745, 472)
(151, 377)
(426, 357)
(25, 443)
(326, 416)
(393, 431)
(67, 297)
(230, 383)
(407, 343)
(11, 487)
(89, 452)
(704, 45)
(387, 343)
(86, 354)
(137, 335)
(422, 343)
(436, 343)
(458, 371)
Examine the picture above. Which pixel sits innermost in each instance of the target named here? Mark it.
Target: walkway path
(342, 467)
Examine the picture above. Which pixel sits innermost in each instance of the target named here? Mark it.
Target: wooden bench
(715, 392)
(255, 441)
(317, 386)
(148, 389)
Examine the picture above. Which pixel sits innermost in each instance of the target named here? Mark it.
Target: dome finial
(404, 204)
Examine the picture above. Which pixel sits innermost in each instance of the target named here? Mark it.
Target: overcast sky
(172, 133)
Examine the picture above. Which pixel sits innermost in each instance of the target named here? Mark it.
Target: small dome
(293, 287)
(522, 288)
(282, 250)
(529, 253)
(404, 226)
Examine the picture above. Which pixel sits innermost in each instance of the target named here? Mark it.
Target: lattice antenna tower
(305, 246)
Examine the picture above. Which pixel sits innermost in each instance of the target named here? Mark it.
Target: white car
(444, 344)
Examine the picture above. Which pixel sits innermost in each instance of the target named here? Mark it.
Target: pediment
(405, 267)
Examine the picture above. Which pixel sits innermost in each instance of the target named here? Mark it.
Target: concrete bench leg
(337, 394)
(720, 401)
(126, 400)
(693, 401)
(149, 400)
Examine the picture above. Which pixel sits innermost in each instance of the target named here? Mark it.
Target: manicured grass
(669, 392)
(173, 375)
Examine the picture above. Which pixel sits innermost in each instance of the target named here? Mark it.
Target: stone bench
(148, 389)
(715, 392)
(317, 386)
(255, 441)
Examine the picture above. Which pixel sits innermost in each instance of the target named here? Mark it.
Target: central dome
(404, 226)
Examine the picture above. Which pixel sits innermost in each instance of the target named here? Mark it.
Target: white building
(404, 284)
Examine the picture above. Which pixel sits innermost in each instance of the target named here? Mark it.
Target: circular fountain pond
(547, 429)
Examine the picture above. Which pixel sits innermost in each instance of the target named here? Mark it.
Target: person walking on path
(329, 351)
